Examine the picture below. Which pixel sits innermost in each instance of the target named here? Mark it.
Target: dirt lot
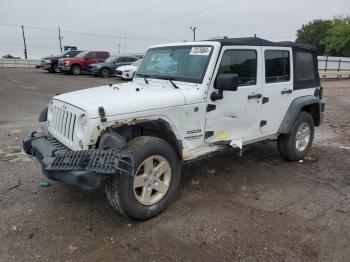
(254, 208)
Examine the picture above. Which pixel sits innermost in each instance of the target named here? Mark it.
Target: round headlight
(81, 126)
(47, 61)
(83, 121)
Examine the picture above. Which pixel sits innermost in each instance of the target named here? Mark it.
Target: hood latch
(102, 113)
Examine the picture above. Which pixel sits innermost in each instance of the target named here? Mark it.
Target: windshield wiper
(171, 80)
(174, 85)
(144, 77)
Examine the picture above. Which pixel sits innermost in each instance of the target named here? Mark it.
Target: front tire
(55, 68)
(155, 182)
(75, 70)
(295, 145)
(105, 72)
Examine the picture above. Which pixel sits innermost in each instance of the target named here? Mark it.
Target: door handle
(288, 91)
(255, 96)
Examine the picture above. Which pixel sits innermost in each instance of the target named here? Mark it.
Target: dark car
(50, 63)
(107, 68)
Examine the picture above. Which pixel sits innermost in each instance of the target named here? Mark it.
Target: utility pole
(125, 43)
(60, 38)
(118, 49)
(25, 45)
(193, 29)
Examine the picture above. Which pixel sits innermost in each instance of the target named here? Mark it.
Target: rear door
(101, 56)
(277, 87)
(90, 58)
(236, 117)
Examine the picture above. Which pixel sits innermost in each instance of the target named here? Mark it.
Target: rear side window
(91, 55)
(277, 66)
(304, 66)
(240, 62)
(102, 55)
(305, 69)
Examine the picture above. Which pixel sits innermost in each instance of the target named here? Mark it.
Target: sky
(133, 26)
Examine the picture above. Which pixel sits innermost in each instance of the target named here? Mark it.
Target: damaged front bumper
(85, 168)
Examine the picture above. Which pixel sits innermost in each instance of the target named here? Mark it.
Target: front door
(236, 117)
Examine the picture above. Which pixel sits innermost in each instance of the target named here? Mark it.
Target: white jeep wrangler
(187, 100)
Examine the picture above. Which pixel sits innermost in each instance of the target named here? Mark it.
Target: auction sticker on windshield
(200, 50)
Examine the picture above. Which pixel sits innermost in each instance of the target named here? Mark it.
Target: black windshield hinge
(211, 107)
(265, 100)
(209, 134)
(102, 113)
(263, 123)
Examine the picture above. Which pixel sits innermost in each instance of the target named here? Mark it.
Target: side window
(91, 55)
(240, 62)
(304, 66)
(277, 66)
(121, 59)
(101, 55)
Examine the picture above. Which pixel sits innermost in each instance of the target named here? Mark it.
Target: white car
(128, 71)
(187, 101)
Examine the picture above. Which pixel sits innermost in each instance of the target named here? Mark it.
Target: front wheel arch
(157, 128)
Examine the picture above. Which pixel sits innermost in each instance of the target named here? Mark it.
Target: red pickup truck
(81, 62)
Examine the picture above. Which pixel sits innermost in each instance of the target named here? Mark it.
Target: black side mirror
(87, 58)
(225, 81)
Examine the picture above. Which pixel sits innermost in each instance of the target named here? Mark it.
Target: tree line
(331, 37)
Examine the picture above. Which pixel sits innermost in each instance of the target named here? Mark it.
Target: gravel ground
(251, 208)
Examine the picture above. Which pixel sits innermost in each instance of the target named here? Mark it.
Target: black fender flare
(293, 111)
(43, 114)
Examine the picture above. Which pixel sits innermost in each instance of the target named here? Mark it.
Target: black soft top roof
(256, 41)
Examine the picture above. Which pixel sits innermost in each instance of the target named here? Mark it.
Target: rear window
(304, 66)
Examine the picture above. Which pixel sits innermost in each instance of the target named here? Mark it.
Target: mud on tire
(120, 189)
(287, 143)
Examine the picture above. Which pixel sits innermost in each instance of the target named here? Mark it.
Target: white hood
(124, 98)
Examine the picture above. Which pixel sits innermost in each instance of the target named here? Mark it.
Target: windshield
(70, 53)
(137, 62)
(110, 59)
(182, 63)
(81, 55)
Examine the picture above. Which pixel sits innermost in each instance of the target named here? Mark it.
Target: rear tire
(155, 184)
(75, 70)
(295, 145)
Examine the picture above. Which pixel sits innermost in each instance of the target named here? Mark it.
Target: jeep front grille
(63, 123)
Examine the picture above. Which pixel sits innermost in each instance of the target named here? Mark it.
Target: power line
(188, 13)
(150, 8)
(91, 34)
(39, 46)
